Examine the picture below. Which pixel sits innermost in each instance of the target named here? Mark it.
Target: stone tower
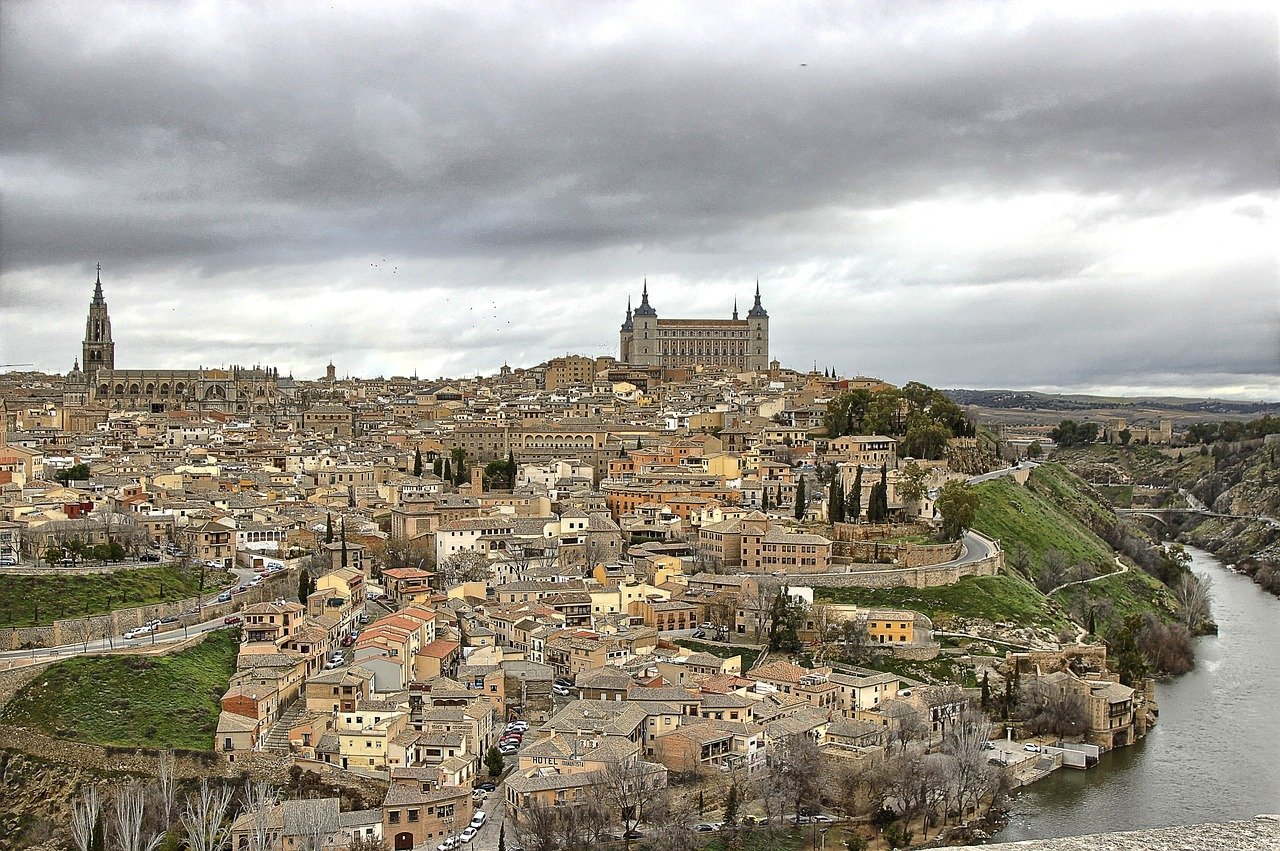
(98, 350)
(645, 347)
(625, 336)
(758, 343)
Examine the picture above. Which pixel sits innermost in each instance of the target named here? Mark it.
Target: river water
(1213, 756)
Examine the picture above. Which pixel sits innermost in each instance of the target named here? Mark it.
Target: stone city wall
(98, 627)
(877, 531)
(916, 577)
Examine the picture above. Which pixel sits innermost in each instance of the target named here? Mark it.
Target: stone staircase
(278, 735)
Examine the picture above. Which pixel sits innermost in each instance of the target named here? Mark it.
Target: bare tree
(537, 826)
(464, 566)
(669, 818)
(86, 813)
(204, 817)
(911, 724)
(1053, 570)
(1195, 595)
(966, 742)
(795, 770)
(166, 787)
(259, 801)
(80, 631)
(128, 811)
(313, 821)
(626, 786)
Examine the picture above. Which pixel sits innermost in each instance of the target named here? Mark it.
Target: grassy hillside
(1035, 519)
(149, 701)
(1116, 598)
(993, 598)
(28, 600)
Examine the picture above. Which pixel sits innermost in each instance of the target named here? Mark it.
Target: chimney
(477, 480)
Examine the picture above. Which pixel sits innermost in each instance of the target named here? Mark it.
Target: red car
(231, 619)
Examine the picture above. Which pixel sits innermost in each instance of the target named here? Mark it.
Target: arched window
(164, 388)
(134, 390)
(151, 389)
(119, 389)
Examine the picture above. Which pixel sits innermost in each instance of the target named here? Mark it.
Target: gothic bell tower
(99, 350)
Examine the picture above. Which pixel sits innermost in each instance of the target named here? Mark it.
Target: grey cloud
(539, 151)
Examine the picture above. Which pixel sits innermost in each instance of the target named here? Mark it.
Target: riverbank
(1211, 757)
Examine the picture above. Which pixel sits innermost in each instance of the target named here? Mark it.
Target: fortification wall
(99, 627)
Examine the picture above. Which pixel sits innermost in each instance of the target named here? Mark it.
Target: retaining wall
(95, 627)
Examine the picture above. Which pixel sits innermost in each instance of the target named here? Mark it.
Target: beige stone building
(741, 344)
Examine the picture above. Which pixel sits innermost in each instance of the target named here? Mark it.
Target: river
(1213, 756)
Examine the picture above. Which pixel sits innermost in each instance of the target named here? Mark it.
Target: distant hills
(1029, 400)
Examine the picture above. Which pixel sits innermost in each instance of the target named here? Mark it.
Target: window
(413, 816)
(393, 816)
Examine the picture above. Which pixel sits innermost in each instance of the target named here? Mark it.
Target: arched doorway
(403, 842)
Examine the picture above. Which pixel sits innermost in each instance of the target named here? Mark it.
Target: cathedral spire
(735, 310)
(98, 298)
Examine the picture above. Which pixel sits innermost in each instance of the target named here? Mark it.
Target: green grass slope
(1117, 597)
(1040, 517)
(993, 598)
(148, 701)
(28, 600)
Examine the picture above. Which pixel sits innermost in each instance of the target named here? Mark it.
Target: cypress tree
(854, 508)
(304, 583)
(447, 471)
(764, 499)
(417, 461)
(344, 542)
(511, 469)
(835, 501)
(328, 528)
(800, 499)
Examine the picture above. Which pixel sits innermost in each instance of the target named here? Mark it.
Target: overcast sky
(1072, 195)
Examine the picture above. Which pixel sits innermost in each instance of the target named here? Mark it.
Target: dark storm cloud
(548, 150)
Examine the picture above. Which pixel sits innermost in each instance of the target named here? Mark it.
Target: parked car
(563, 691)
(478, 820)
(486, 786)
(143, 557)
(448, 845)
(706, 625)
(364, 618)
(697, 633)
(1031, 747)
(995, 760)
(756, 820)
(467, 835)
(707, 827)
(131, 634)
(347, 641)
(240, 589)
(231, 620)
(332, 664)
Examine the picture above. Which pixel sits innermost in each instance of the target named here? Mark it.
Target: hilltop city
(675, 590)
